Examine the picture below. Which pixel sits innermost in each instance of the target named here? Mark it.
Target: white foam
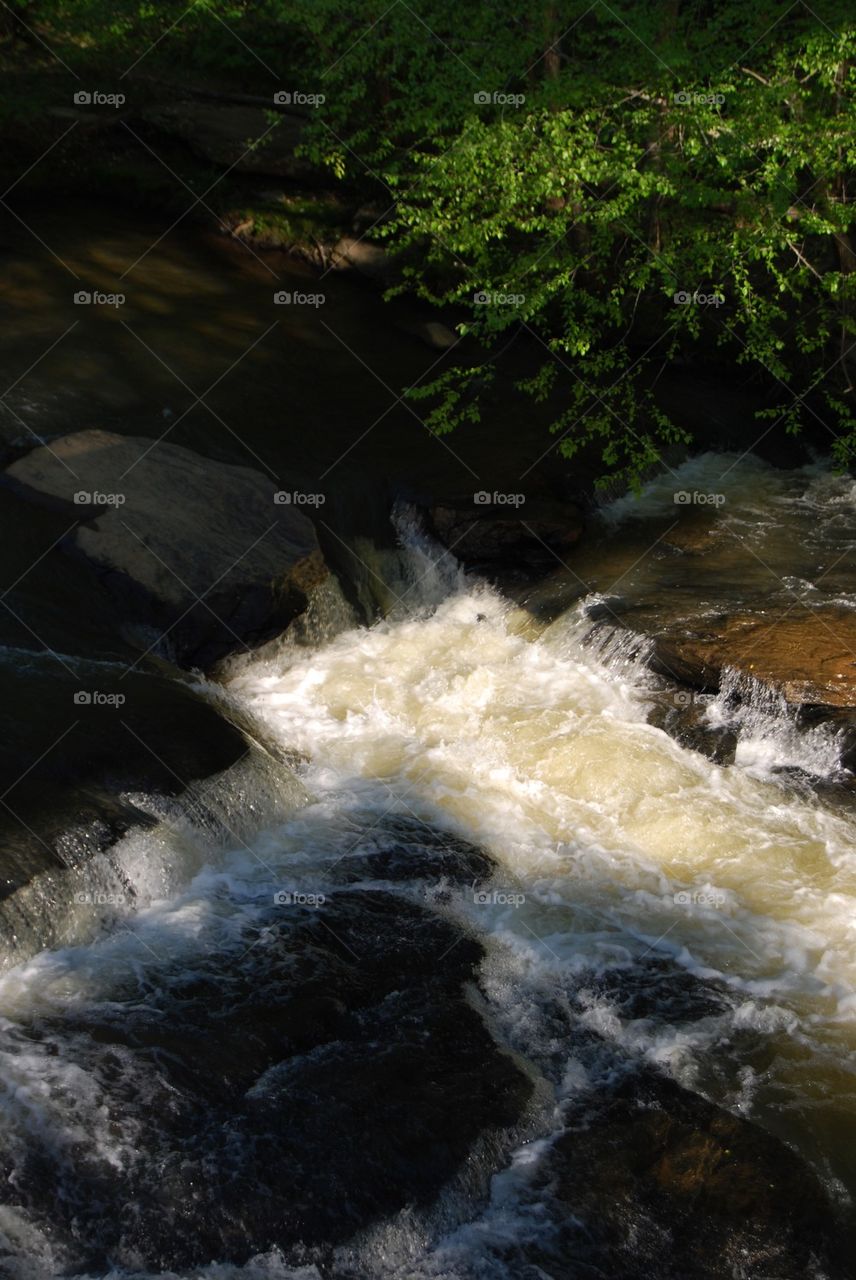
(614, 846)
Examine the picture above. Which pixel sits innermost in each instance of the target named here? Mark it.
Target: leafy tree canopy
(627, 183)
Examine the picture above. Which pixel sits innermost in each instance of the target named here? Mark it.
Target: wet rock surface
(482, 532)
(328, 1072)
(406, 850)
(809, 654)
(648, 1178)
(657, 1181)
(685, 720)
(61, 806)
(198, 554)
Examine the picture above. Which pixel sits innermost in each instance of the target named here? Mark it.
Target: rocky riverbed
(358, 914)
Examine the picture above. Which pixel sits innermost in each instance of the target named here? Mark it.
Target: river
(606, 899)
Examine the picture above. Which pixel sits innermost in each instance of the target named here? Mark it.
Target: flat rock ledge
(808, 655)
(202, 558)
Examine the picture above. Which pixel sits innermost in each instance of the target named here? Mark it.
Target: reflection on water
(774, 539)
(293, 388)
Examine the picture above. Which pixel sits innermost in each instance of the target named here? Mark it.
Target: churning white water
(613, 843)
(470, 717)
(613, 846)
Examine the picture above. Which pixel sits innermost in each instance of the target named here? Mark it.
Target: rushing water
(618, 855)
(778, 544)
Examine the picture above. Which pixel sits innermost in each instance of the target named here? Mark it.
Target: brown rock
(360, 254)
(665, 1183)
(695, 534)
(809, 654)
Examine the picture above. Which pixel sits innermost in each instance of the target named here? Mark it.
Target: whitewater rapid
(613, 845)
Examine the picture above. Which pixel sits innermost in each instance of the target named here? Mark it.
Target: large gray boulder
(236, 136)
(201, 557)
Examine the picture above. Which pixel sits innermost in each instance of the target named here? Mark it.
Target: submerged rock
(202, 557)
(405, 849)
(327, 1071)
(695, 533)
(657, 1181)
(646, 1179)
